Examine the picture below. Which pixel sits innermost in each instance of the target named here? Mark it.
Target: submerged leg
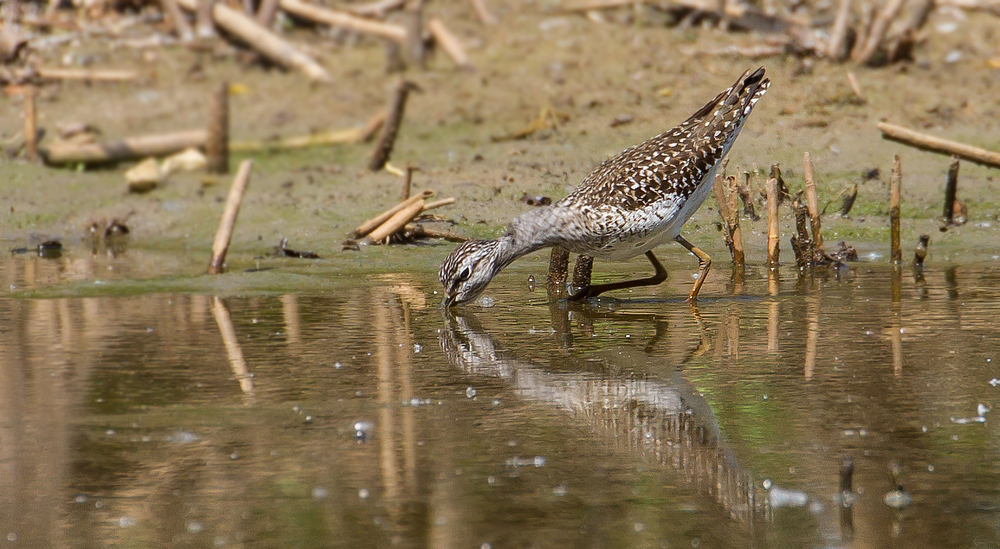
(555, 281)
(598, 289)
(704, 264)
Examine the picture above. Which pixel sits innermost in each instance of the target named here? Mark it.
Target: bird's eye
(464, 274)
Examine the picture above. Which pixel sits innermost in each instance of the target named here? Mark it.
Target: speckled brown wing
(673, 164)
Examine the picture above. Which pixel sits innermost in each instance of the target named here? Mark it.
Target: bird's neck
(528, 233)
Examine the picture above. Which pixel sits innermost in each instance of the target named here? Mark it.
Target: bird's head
(468, 270)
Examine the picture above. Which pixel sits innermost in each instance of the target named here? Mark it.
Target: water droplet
(220, 541)
(470, 392)
(363, 493)
(766, 484)
(195, 527)
(417, 348)
(638, 527)
(338, 365)
(82, 498)
(485, 545)
(560, 491)
(319, 492)
(496, 402)
(110, 432)
(539, 461)
(309, 419)
(491, 479)
(126, 521)
(296, 409)
(234, 456)
(12, 536)
(930, 468)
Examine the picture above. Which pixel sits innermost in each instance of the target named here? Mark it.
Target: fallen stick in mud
(951, 191)
(895, 181)
(217, 135)
(416, 231)
(373, 223)
(360, 25)
(938, 145)
(396, 221)
(228, 221)
(483, 12)
(144, 146)
(449, 43)
(270, 45)
(129, 148)
(89, 75)
(772, 223)
(394, 119)
(30, 125)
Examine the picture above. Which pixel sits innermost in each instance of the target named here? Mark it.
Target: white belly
(652, 226)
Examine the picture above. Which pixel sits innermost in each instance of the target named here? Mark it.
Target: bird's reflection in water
(662, 420)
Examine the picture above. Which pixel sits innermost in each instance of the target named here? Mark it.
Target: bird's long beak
(449, 301)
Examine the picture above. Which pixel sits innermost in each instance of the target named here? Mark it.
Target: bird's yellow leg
(704, 265)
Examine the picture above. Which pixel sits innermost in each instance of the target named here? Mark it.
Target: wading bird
(627, 206)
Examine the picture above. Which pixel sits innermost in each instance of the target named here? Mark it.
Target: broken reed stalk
(407, 181)
(415, 49)
(217, 141)
(266, 12)
(449, 43)
(895, 181)
(865, 24)
(835, 47)
(878, 30)
(856, 87)
(555, 280)
(397, 221)
(802, 245)
(261, 39)
(772, 223)
(920, 250)
(373, 223)
(204, 25)
(30, 124)
(747, 199)
(228, 221)
(951, 191)
(180, 24)
(739, 256)
(723, 203)
(812, 202)
(360, 25)
(848, 203)
(483, 12)
(394, 118)
(938, 145)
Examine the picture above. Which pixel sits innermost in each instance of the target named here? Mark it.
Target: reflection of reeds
(233, 349)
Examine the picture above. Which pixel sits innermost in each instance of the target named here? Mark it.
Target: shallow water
(356, 413)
